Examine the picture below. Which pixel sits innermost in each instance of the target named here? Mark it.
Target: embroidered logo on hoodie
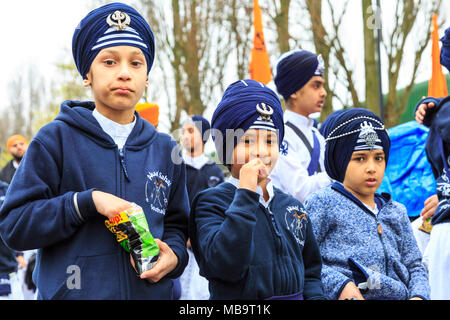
(295, 218)
(157, 189)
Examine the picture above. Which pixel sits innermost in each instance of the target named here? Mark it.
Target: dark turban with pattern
(350, 130)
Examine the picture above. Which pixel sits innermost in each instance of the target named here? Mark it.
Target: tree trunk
(370, 60)
(314, 8)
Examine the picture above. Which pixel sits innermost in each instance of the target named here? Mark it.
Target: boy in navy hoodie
(250, 239)
(93, 161)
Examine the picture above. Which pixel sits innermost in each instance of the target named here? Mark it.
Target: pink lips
(371, 182)
(123, 90)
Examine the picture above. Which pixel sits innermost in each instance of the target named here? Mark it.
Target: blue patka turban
(350, 130)
(445, 50)
(201, 124)
(114, 24)
(294, 69)
(246, 104)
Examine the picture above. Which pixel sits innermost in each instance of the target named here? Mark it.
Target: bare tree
(193, 37)
(405, 26)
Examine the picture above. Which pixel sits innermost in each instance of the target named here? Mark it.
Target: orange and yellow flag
(259, 62)
(149, 111)
(437, 86)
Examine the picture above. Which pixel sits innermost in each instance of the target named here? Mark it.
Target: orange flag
(437, 86)
(259, 62)
(149, 111)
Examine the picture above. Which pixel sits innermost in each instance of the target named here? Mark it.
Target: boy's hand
(109, 205)
(167, 261)
(430, 206)
(422, 111)
(251, 173)
(350, 291)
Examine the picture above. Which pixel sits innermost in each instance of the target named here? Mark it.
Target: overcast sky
(40, 33)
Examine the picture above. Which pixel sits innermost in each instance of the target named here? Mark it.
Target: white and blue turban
(246, 104)
(114, 24)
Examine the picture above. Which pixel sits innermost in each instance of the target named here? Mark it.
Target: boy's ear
(294, 95)
(86, 83)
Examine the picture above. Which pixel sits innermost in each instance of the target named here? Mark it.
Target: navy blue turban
(445, 50)
(201, 124)
(294, 69)
(238, 111)
(346, 131)
(115, 24)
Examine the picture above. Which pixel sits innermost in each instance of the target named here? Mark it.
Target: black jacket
(7, 172)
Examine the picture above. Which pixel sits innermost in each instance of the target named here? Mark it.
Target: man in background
(17, 146)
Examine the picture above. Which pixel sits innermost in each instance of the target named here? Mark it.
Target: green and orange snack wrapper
(132, 232)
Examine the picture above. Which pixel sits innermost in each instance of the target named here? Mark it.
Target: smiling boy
(250, 239)
(92, 162)
(365, 238)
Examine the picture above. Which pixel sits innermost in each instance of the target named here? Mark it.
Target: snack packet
(131, 230)
(426, 226)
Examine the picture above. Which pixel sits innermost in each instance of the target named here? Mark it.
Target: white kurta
(437, 260)
(290, 173)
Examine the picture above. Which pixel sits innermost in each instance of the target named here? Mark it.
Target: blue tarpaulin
(408, 177)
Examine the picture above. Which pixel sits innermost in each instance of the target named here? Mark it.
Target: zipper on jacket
(123, 255)
(123, 164)
(279, 245)
(380, 235)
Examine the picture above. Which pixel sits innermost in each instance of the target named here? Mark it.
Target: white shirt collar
(118, 132)
(196, 162)
(269, 186)
(297, 119)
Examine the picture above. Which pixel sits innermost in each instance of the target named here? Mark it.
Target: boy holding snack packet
(94, 161)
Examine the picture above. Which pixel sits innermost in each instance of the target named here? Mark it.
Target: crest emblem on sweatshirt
(443, 185)
(296, 220)
(157, 189)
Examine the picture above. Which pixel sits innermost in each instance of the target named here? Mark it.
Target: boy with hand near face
(92, 162)
(366, 240)
(299, 79)
(250, 239)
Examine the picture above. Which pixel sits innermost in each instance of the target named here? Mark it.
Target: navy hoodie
(78, 256)
(247, 251)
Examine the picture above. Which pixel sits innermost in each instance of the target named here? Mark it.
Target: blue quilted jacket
(377, 252)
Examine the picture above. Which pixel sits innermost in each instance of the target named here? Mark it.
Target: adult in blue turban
(111, 25)
(245, 104)
(348, 130)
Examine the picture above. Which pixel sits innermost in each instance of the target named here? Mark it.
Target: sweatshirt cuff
(84, 205)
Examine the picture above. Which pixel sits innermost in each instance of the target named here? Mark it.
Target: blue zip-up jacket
(247, 251)
(78, 257)
(357, 245)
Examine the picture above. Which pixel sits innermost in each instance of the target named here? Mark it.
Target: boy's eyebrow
(112, 51)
